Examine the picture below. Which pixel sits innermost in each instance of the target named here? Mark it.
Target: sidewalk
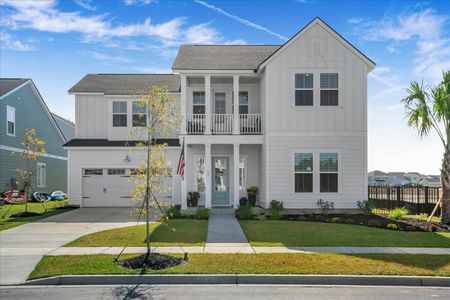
(219, 249)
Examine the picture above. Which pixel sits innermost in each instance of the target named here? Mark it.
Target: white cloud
(355, 20)
(302, 1)
(139, 2)
(86, 4)
(240, 20)
(8, 42)
(45, 16)
(426, 29)
(107, 57)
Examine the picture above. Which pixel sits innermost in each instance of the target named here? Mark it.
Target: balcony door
(222, 123)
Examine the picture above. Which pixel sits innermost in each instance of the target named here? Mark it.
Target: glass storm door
(221, 181)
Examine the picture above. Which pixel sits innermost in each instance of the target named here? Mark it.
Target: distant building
(67, 127)
(380, 178)
(431, 181)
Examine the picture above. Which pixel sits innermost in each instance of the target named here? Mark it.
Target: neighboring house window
(242, 175)
(329, 92)
(304, 89)
(201, 175)
(116, 171)
(119, 114)
(198, 100)
(139, 112)
(41, 175)
(220, 102)
(303, 172)
(328, 172)
(10, 120)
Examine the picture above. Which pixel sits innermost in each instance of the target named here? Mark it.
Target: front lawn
(310, 234)
(53, 208)
(361, 264)
(183, 232)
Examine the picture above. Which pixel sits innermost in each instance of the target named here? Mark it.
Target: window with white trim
(303, 172)
(10, 120)
(329, 89)
(41, 175)
(139, 114)
(198, 103)
(116, 171)
(201, 174)
(243, 103)
(304, 89)
(328, 172)
(89, 172)
(119, 111)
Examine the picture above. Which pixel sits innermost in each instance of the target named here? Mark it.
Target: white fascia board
(86, 93)
(221, 72)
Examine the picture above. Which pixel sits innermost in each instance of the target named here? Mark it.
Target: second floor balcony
(224, 124)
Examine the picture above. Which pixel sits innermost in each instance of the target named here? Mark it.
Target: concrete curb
(244, 279)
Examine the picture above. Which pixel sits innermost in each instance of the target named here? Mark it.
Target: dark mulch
(155, 261)
(25, 214)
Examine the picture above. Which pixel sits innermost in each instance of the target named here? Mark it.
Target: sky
(56, 43)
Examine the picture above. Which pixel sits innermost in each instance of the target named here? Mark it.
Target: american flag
(181, 163)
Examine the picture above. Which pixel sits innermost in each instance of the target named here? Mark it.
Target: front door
(221, 181)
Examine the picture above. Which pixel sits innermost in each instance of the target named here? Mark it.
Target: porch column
(236, 175)
(208, 183)
(208, 104)
(184, 180)
(236, 127)
(183, 103)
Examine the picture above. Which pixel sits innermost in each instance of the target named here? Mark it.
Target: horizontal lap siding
(352, 170)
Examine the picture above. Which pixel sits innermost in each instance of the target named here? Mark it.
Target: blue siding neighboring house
(21, 107)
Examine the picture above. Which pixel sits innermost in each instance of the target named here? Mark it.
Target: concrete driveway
(22, 247)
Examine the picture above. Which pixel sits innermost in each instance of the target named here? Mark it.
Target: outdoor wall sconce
(127, 158)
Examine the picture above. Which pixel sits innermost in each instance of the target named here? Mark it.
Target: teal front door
(221, 181)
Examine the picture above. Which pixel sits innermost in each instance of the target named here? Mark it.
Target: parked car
(58, 195)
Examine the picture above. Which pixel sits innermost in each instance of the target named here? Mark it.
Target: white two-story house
(290, 119)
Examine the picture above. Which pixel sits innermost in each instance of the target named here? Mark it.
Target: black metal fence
(417, 199)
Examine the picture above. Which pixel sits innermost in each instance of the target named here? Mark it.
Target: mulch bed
(155, 261)
(25, 214)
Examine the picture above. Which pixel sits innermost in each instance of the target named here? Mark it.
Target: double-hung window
(303, 172)
(139, 111)
(328, 172)
(304, 89)
(119, 113)
(41, 175)
(243, 103)
(198, 103)
(329, 89)
(10, 121)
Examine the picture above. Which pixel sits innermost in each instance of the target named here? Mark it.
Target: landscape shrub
(366, 206)
(301, 218)
(320, 218)
(392, 226)
(276, 207)
(335, 220)
(349, 221)
(202, 214)
(410, 228)
(398, 213)
(374, 223)
(174, 212)
(325, 207)
(433, 228)
(244, 212)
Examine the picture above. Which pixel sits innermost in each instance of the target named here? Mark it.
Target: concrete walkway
(24, 252)
(225, 233)
(22, 247)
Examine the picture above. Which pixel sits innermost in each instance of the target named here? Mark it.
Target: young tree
(157, 117)
(33, 149)
(428, 109)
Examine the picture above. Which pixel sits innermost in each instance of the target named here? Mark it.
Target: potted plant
(193, 199)
(251, 194)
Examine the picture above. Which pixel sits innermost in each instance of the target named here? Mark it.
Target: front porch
(220, 173)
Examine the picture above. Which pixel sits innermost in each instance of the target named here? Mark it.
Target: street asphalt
(219, 292)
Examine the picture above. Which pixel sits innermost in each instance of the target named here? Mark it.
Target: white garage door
(111, 187)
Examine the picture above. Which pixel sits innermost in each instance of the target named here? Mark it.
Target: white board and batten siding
(290, 128)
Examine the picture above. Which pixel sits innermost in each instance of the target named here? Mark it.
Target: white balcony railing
(222, 123)
(195, 123)
(250, 123)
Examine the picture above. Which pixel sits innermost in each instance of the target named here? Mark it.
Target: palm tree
(428, 109)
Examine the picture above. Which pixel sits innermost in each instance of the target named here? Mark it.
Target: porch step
(221, 210)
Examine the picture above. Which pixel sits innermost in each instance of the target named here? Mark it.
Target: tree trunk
(445, 181)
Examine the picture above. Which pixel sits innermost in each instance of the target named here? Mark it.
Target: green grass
(185, 232)
(360, 264)
(7, 222)
(294, 233)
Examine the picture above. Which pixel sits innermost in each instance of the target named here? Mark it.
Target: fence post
(398, 197)
(427, 208)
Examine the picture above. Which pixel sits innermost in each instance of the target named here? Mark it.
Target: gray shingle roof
(222, 57)
(8, 84)
(125, 84)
